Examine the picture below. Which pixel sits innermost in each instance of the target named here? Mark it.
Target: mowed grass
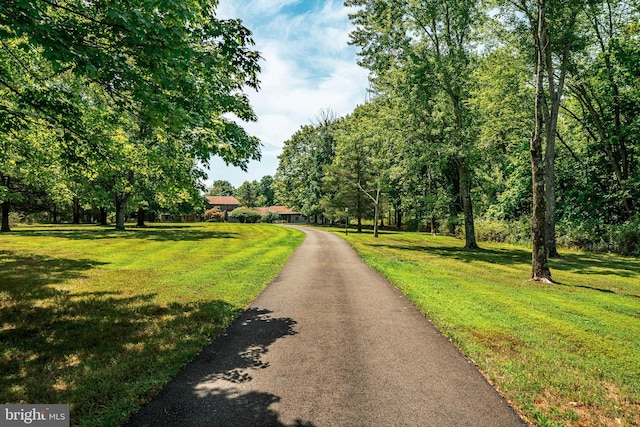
(101, 319)
(563, 354)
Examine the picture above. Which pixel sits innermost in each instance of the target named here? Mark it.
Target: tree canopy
(126, 94)
(519, 116)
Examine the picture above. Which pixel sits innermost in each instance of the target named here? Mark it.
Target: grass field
(102, 319)
(563, 354)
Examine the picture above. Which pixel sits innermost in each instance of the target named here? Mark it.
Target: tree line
(118, 105)
(250, 193)
(519, 112)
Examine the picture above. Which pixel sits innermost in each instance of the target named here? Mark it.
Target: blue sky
(307, 67)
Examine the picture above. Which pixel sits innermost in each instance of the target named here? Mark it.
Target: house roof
(282, 210)
(222, 200)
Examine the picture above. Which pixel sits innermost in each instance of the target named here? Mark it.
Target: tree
(29, 163)
(504, 102)
(429, 40)
(299, 179)
(553, 30)
(248, 193)
(222, 188)
(169, 68)
(603, 81)
(539, 262)
(553, 27)
(266, 190)
(351, 171)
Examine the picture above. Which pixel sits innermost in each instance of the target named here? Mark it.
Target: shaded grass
(102, 319)
(564, 354)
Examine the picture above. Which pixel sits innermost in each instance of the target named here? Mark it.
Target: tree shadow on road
(208, 392)
(100, 351)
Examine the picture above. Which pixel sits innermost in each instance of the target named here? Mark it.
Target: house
(286, 214)
(224, 203)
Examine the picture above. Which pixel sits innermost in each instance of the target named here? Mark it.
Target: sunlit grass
(563, 354)
(102, 319)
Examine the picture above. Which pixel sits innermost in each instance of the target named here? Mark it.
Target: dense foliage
(486, 118)
(245, 215)
(118, 106)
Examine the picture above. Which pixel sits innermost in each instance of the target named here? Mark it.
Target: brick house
(224, 203)
(286, 214)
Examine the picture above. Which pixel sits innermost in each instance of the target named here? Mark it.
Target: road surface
(329, 343)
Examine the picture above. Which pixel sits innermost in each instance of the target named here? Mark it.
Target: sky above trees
(307, 67)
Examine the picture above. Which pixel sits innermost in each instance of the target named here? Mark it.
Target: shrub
(491, 230)
(452, 226)
(245, 215)
(14, 218)
(625, 238)
(585, 235)
(270, 217)
(214, 215)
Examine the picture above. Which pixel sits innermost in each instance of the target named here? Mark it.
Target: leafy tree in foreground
(171, 67)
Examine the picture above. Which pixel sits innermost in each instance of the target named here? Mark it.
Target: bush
(625, 238)
(592, 236)
(515, 232)
(452, 226)
(214, 215)
(14, 218)
(270, 217)
(587, 235)
(245, 215)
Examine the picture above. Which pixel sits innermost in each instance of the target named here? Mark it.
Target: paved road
(329, 343)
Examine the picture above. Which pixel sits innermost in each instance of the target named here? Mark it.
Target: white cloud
(307, 67)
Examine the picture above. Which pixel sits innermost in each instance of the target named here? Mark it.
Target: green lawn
(102, 319)
(563, 354)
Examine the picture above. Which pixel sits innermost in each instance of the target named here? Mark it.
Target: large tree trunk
(103, 216)
(6, 205)
(76, 210)
(6, 208)
(467, 204)
(121, 209)
(433, 223)
(539, 262)
(141, 213)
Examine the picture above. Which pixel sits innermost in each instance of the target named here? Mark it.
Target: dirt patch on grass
(615, 411)
(500, 342)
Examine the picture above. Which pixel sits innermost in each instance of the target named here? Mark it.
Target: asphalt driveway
(329, 343)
